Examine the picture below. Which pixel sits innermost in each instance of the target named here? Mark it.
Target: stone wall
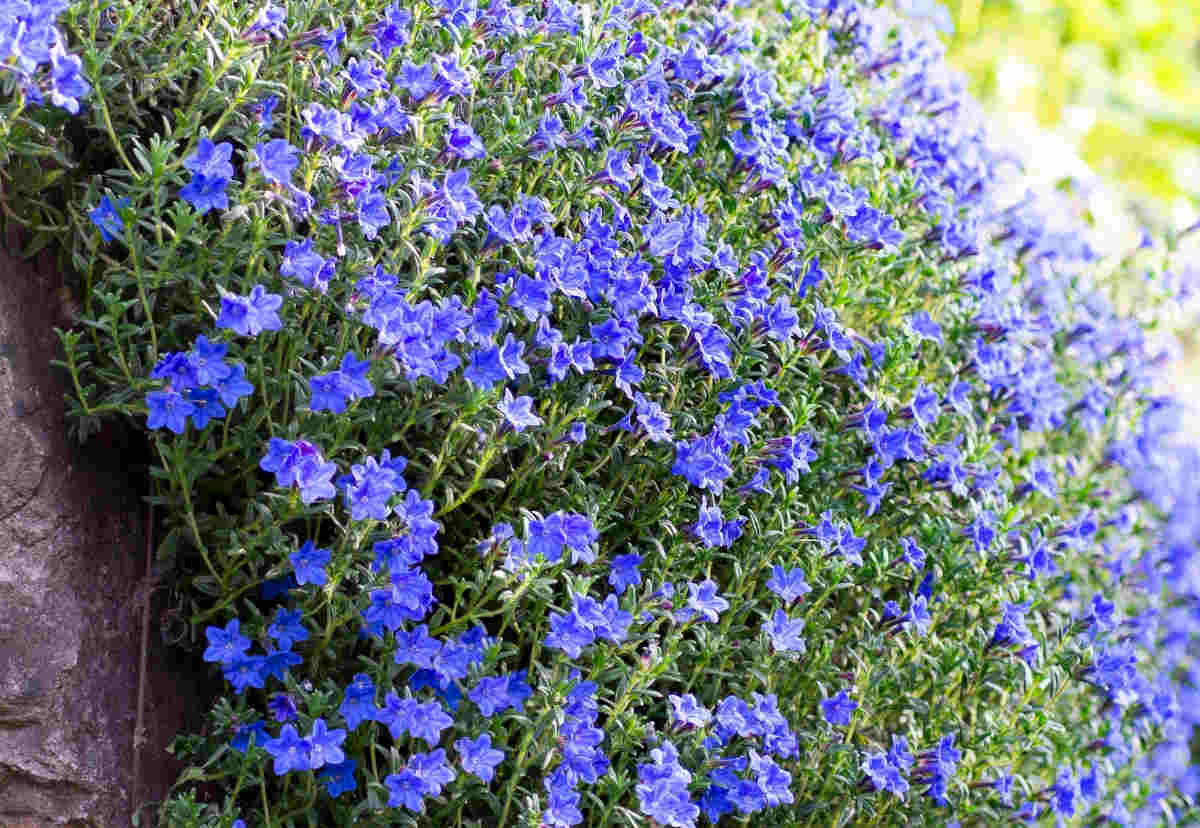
(72, 557)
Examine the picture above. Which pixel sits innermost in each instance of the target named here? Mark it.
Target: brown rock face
(72, 553)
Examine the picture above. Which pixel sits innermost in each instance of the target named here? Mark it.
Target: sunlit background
(1102, 99)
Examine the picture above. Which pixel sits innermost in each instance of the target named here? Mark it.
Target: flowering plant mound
(631, 413)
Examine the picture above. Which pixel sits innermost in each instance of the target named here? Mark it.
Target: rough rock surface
(72, 554)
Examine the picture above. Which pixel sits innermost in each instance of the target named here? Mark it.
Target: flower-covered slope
(840, 494)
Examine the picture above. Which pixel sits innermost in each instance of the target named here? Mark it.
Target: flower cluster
(33, 49)
(650, 296)
(199, 384)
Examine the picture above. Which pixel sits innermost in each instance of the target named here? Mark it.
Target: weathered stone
(71, 556)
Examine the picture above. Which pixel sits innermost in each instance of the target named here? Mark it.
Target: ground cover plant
(628, 413)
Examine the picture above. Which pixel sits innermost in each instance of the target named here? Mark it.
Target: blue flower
(358, 703)
(168, 409)
(315, 479)
(624, 573)
(785, 633)
(686, 711)
(330, 392)
(270, 20)
(245, 671)
(277, 159)
(416, 647)
(788, 584)
(287, 628)
(485, 369)
(210, 160)
(207, 407)
(432, 769)
(305, 264)
(224, 645)
(405, 789)
(277, 662)
(250, 315)
(206, 360)
(249, 734)
(747, 797)
(918, 615)
(490, 695)
(792, 454)
(518, 412)
(309, 563)
(205, 193)
(339, 777)
(325, 745)
(105, 217)
(837, 709)
(428, 722)
(462, 141)
(924, 327)
(234, 385)
(67, 84)
(705, 601)
(912, 554)
(478, 757)
(282, 707)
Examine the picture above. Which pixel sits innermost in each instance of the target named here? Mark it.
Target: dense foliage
(616, 414)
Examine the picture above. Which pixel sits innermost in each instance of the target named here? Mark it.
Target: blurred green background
(1114, 86)
(1119, 80)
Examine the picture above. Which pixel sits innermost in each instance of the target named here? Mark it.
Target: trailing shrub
(618, 414)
